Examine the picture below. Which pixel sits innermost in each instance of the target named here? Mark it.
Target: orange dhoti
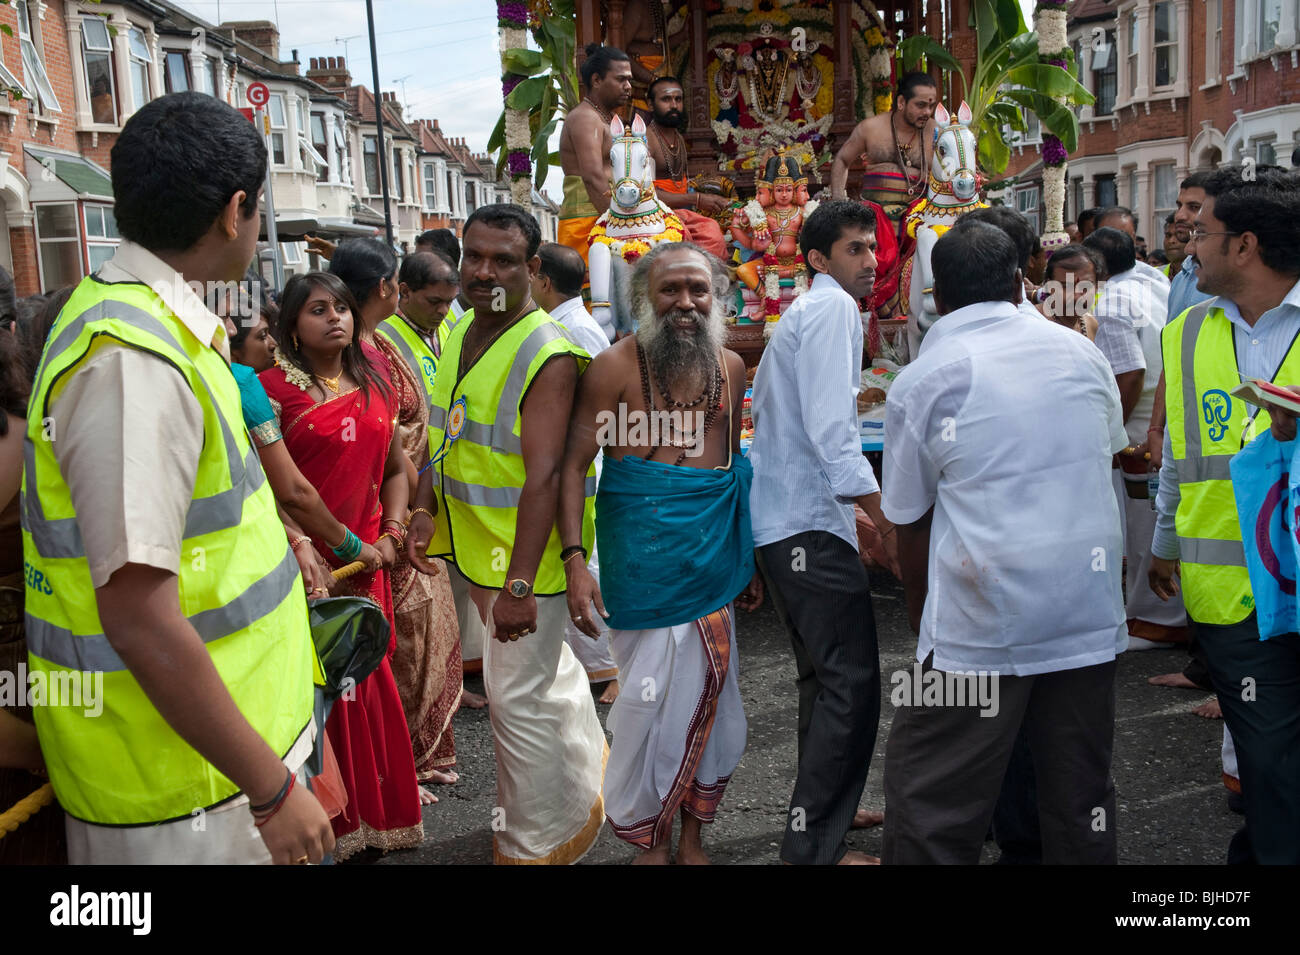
(700, 229)
(577, 216)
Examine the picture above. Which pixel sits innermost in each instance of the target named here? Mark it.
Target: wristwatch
(519, 588)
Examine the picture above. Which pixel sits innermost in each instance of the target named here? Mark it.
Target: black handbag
(351, 639)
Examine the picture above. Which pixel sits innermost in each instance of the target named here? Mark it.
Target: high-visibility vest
(239, 585)
(1207, 426)
(413, 347)
(480, 478)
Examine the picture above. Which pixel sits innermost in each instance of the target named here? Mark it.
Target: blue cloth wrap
(675, 543)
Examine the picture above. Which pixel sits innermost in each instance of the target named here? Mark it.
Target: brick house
(1182, 86)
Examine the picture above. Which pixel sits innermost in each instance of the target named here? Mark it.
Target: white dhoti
(550, 748)
(1149, 617)
(679, 726)
(594, 655)
(1228, 754)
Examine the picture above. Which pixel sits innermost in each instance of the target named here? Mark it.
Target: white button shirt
(582, 328)
(1005, 425)
(807, 451)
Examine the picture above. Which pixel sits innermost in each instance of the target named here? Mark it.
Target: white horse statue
(635, 221)
(952, 191)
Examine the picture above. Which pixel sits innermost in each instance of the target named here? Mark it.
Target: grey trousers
(820, 590)
(944, 766)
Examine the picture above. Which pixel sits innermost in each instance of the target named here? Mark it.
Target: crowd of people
(454, 438)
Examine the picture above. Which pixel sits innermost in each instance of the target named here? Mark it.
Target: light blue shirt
(1183, 293)
(807, 451)
(1260, 352)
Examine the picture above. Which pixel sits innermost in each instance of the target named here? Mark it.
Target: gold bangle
(293, 544)
(396, 542)
(421, 510)
(600, 305)
(576, 553)
(340, 543)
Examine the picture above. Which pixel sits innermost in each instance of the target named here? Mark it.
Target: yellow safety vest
(413, 347)
(239, 584)
(480, 478)
(1207, 426)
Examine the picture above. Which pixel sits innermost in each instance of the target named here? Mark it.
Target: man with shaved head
(672, 526)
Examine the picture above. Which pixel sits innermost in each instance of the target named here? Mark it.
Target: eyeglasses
(1196, 235)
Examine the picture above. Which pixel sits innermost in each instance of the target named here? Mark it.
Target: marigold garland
(633, 247)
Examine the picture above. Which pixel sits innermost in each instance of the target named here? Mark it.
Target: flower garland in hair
(1053, 50)
(294, 375)
(512, 21)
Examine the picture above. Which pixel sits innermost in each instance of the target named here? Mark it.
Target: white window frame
(34, 61)
(105, 241)
(200, 65)
(1213, 42)
(1132, 48)
(365, 182)
(41, 241)
(291, 253)
(166, 69)
(107, 51)
(429, 184)
(1159, 210)
(136, 60)
(1111, 65)
(281, 130)
(1172, 45)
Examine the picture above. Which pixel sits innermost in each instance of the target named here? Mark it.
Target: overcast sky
(445, 49)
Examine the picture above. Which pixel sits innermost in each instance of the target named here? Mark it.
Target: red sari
(341, 446)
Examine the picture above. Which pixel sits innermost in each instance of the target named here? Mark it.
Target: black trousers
(945, 765)
(820, 590)
(1258, 685)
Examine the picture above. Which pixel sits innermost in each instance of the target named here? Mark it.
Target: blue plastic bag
(1265, 482)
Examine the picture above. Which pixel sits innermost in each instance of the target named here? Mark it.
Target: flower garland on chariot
(1050, 22)
(630, 248)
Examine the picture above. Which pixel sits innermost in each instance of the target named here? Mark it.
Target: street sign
(258, 94)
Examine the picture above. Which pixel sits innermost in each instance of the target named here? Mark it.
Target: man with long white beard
(672, 527)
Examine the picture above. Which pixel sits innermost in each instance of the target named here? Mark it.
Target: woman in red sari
(335, 410)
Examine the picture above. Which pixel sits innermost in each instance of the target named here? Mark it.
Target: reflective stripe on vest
(62, 538)
(238, 585)
(1206, 428)
(415, 350)
(481, 478)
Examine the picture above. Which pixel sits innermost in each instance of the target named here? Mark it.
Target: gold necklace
(464, 368)
(331, 383)
(606, 115)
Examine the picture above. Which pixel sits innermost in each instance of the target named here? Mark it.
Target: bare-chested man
(895, 148)
(585, 143)
(668, 150)
(675, 548)
(647, 41)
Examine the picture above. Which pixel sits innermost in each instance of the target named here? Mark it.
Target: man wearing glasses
(1245, 242)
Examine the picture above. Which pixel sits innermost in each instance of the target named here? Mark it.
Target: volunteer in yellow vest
(1245, 241)
(427, 284)
(445, 241)
(502, 399)
(159, 577)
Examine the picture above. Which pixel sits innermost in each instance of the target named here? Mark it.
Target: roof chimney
(330, 72)
(262, 34)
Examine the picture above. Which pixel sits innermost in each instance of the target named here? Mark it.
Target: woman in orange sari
(335, 410)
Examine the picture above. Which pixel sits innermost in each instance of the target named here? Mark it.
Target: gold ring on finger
(301, 860)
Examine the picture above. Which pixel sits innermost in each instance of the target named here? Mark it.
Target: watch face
(519, 589)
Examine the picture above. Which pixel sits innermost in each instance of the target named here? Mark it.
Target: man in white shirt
(1131, 313)
(997, 473)
(557, 287)
(1121, 218)
(808, 473)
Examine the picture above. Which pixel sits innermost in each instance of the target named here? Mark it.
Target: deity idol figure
(771, 229)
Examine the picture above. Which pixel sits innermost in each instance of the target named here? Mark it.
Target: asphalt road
(1172, 805)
